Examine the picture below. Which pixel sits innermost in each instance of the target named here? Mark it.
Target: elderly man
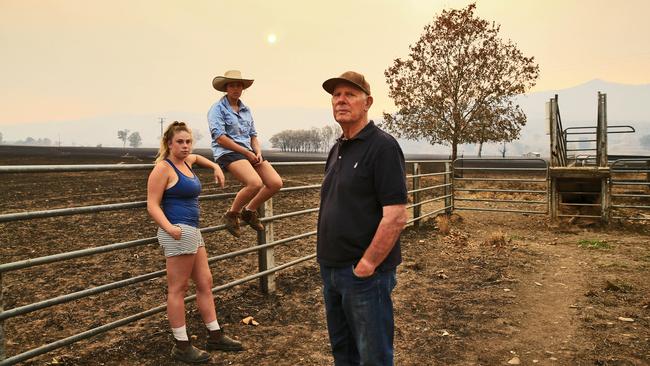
(362, 214)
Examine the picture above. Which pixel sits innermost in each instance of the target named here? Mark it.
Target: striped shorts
(189, 242)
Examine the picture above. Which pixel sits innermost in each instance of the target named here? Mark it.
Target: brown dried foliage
(458, 82)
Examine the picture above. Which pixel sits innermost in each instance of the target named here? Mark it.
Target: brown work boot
(232, 223)
(250, 217)
(184, 351)
(218, 341)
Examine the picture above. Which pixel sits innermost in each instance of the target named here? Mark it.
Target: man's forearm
(384, 240)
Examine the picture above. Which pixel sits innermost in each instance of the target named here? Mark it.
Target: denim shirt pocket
(231, 125)
(245, 125)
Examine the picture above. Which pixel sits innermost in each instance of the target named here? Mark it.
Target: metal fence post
(449, 189)
(3, 355)
(417, 209)
(266, 257)
(601, 130)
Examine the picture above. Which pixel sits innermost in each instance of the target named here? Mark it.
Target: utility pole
(161, 126)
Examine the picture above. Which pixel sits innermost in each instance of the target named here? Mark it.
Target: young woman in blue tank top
(173, 203)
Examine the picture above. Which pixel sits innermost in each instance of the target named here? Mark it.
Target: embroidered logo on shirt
(355, 164)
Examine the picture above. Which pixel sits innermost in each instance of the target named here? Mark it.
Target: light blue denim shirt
(222, 120)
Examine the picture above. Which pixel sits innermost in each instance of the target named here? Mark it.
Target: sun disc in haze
(271, 38)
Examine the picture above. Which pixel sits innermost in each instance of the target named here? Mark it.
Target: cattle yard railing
(501, 185)
(422, 196)
(629, 189)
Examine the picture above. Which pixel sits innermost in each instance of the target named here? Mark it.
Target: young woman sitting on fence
(236, 149)
(174, 185)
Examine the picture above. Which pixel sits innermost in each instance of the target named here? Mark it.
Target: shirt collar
(366, 131)
(225, 104)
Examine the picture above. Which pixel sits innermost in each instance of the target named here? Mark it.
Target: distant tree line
(28, 141)
(308, 141)
(34, 142)
(133, 138)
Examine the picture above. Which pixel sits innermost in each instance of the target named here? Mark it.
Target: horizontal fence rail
(526, 180)
(630, 189)
(439, 191)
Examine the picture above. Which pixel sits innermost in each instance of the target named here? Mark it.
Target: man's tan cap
(350, 77)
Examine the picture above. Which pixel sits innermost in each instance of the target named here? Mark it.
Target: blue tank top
(180, 203)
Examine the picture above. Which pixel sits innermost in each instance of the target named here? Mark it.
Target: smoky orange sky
(72, 59)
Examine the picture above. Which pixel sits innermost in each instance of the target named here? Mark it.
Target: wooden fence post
(449, 189)
(605, 200)
(417, 209)
(266, 257)
(647, 174)
(553, 198)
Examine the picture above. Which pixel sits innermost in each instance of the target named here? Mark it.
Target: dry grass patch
(442, 223)
(497, 239)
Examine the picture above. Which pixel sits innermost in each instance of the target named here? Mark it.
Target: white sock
(213, 325)
(180, 334)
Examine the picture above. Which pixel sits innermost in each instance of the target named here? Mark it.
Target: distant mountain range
(627, 105)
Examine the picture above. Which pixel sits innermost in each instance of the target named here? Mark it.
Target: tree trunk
(480, 149)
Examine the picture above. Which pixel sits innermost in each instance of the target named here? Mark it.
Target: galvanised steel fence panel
(518, 185)
(265, 245)
(630, 189)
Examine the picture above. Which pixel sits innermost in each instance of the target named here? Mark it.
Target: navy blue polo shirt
(362, 175)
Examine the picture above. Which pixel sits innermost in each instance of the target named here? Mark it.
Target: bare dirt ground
(497, 288)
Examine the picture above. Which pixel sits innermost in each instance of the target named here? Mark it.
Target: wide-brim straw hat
(349, 77)
(230, 76)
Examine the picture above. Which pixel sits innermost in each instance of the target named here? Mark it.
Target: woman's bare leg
(202, 277)
(272, 184)
(243, 171)
(179, 269)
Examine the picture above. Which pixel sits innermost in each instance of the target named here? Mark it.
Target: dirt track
(461, 298)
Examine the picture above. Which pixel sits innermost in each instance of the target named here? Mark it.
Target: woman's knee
(254, 183)
(178, 288)
(204, 284)
(274, 184)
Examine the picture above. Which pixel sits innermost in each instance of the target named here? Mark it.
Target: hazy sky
(80, 59)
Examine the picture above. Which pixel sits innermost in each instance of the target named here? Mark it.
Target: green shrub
(593, 244)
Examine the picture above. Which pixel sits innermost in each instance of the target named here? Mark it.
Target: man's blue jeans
(359, 316)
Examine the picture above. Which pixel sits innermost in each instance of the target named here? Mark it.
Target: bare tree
(503, 149)
(329, 134)
(123, 135)
(458, 82)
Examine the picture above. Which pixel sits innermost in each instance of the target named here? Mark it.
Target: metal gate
(501, 185)
(630, 189)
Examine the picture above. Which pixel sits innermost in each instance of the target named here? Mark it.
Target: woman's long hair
(170, 131)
